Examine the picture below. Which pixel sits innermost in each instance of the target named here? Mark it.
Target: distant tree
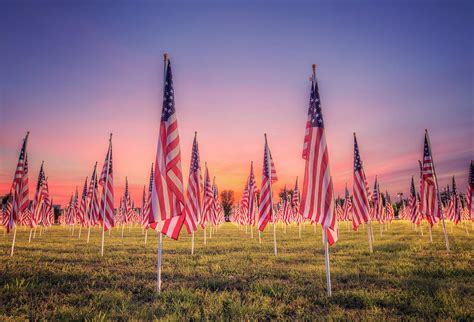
(227, 201)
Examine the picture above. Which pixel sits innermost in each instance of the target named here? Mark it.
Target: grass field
(58, 276)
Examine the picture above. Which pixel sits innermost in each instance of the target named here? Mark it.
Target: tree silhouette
(227, 201)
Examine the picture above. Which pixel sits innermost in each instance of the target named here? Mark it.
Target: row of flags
(165, 207)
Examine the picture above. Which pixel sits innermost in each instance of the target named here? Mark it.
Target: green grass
(61, 277)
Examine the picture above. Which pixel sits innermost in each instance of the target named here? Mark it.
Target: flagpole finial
(314, 68)
(110, 138)
(165, 56)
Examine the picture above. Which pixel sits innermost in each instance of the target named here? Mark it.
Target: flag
(266, 199)
(207, 201)
(168, 196)
(83, 205)
(127, 205)
(107, 182)
(413, 204)
(429, 203)
(317, 202)
(92, 215)
(377, 200)
(361, 207)
(249, 197)
(19, 187)
(456, 208)
(194, 191)
(38, 201)
(147, 213)
(347, 207)
(295, 198)
(47, 206)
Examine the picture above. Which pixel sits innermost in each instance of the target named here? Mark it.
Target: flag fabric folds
(317, 202)
(167, 194)
(194, 191)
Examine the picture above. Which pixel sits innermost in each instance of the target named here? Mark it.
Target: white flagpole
(204, 234)
(13, 242)
(369, 229)
(146, 236)
(159, 259)
(326, 255)
(105, 196)
(192, 243)
(88, 233)
(31, 232)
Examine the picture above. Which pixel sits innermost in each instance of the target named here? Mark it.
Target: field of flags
(168, 204)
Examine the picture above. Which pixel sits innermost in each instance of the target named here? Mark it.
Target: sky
(71, 72)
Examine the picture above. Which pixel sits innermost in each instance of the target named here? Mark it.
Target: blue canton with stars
(357, 162)
(168, 95)
(195, 157)
(426, 149)
(314, 111)
(266, 164)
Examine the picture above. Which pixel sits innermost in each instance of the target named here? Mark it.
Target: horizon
(79, 71)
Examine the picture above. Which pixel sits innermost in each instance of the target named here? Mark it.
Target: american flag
(388, 207)
(76, 207)
(286, 207)
(6, 211)
(47, 207)
(207, 201)
(147, 213)
(127, 203)
(83, 205)
(107, 182)
(359, 192)
(266, 199)
(347, 207)
(455, 202)
(167, 194)
(38, 201)
(92, 214)
(249, 197)
(377, 200)
(296, 198)
(19, 187)
(413, 204)
(194, 192)
(470, 191)
(215, 203)
(143, 218)
(317, 202)
(429, 204)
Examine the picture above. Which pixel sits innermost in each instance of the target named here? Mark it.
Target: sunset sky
(71, 72)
